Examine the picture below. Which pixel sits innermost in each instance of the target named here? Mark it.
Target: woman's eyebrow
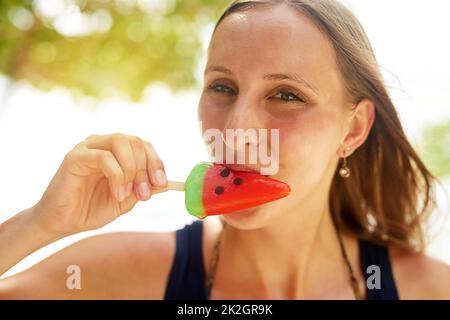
(218, 69)
(272, 77)
(291, 77)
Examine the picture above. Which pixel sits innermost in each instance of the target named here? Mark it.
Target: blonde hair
(390, 192)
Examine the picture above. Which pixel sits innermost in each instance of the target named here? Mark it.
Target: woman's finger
(86, 161)
(120, 146)
(141, 184)
(155, 167)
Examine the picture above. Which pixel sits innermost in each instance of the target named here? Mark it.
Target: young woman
(351, 228)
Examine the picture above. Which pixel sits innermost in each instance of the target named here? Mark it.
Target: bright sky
(37, 128)
(410, 40)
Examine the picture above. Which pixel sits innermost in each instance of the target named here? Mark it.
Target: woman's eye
(286, 96)
(220, 88)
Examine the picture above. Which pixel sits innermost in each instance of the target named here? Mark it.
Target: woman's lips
(241, 167)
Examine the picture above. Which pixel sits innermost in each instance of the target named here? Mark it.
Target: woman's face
(272, 68)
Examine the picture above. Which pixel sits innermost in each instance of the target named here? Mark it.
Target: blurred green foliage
(436, 148)
(104, 47)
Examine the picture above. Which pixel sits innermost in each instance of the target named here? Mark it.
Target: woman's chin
(245, 219)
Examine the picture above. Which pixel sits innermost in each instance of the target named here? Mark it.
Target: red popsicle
(213, 189)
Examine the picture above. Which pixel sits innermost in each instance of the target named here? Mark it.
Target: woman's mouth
(245, 168)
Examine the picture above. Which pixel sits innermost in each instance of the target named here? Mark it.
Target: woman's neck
(291, 259)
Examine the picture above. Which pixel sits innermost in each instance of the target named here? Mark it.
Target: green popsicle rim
(194, 190)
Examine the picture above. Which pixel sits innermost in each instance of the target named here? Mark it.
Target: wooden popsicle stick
(171, 185)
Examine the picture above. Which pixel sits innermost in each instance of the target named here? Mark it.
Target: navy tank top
(187, 276)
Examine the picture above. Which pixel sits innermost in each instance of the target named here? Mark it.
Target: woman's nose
(244, 114)
(243, 123)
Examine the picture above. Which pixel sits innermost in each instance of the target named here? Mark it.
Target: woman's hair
(390, 192)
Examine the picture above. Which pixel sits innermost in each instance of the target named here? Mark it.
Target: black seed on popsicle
(225, 173)
(219, 190)
(237, 181)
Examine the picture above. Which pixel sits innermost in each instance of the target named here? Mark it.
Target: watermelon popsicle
(213, 189)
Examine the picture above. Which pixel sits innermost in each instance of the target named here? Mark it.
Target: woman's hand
(102, 178)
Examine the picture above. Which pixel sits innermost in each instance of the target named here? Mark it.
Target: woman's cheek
(210, 116)
(307, 147)
(315, 129)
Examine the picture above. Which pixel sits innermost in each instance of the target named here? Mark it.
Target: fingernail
(121, 194)
(144, 190)
(129, 189)
(160, 178)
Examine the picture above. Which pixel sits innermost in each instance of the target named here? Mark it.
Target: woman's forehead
(279, 26)
(270, 39)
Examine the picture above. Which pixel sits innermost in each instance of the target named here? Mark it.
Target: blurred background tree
(104, 47)
(436, 148)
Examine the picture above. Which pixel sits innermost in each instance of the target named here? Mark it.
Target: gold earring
(344, 171)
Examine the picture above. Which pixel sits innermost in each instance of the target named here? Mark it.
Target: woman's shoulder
(131, 265)
(419, 276)
(140, 261)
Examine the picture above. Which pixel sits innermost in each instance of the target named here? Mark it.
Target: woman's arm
(102, 178)
(19, 237)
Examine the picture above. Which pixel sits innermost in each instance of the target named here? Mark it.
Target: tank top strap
(374, 258)
(187, 276)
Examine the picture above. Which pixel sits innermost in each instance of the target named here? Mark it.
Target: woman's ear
(361, 121)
